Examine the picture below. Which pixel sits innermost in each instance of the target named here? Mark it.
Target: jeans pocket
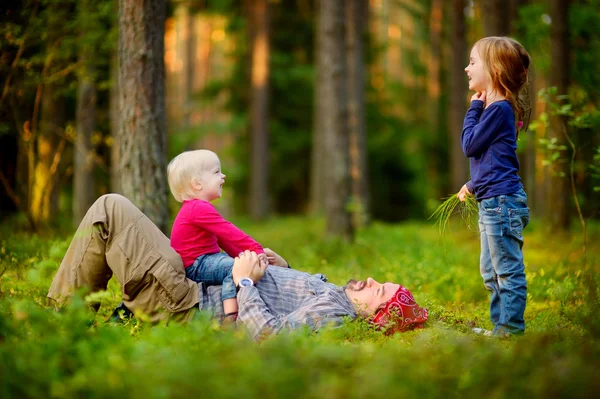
(518, 220)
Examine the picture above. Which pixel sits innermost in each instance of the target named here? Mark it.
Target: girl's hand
(479, 96)
(462, 194)
(274, 259)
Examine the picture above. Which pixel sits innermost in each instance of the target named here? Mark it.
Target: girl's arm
(479, 128)
(230, 238)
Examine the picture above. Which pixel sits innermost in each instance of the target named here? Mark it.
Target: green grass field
(44, 353)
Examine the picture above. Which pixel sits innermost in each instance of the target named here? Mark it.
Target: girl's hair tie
(519, 125)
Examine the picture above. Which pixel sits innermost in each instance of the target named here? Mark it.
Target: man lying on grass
(116, 237)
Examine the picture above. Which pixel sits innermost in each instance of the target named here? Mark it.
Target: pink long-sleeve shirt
(199, 229)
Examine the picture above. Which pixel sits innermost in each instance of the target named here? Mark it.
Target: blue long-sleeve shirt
(489, 139)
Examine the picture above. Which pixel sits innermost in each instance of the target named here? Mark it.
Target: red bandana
(401, 313)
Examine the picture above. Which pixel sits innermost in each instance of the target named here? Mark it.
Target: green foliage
(44, 353)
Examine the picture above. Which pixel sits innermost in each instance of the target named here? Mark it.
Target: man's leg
(84, 264)
(116, 237)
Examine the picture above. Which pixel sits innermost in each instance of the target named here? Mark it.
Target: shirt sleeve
(260, 322)
(470, 187)
(229, 237)
(479, 129)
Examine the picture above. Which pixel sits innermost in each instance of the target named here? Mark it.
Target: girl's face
(478, 79)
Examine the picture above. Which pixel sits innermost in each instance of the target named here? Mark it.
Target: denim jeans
(501, 223)
(214, 269)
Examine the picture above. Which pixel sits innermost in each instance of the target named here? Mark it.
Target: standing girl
(497, 71)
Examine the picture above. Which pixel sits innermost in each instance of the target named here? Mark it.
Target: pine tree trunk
(47, 154)
(558, 198)
(259, 201)
(458, 94)
(115, 175)
(356, 21)
(496, 21)
(317, 168)
(338, 217)
(83, 179)
(142, 126)
(83, 162)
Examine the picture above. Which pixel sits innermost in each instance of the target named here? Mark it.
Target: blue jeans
(501, 223)
(214, 269)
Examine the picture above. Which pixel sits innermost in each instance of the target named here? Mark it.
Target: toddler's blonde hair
(185, 167)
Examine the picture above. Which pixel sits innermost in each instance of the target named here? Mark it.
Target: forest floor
(44, 353)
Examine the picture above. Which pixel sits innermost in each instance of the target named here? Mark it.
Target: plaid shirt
(284, 299)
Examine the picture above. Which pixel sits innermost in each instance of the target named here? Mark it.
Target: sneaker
(482, 331)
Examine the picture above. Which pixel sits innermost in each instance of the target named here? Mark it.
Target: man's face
(369, 296)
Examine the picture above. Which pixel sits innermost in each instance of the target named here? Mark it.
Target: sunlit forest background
(338, 126)
(353, 112)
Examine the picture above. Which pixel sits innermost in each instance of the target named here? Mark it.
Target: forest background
(337, 121)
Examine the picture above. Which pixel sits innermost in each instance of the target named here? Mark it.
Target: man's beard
(354, 285)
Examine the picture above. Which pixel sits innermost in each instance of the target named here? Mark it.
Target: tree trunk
(48, 152)
(83, 179)
(83, 162)
(356, 21)
(114, 125)
(558, 198)
(259, 104)
(142, 126)
(434, 82)
(458, 94)
(317, 163)
(338, 217)
(496, 21)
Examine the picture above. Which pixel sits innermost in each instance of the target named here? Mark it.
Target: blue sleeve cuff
(477, 104)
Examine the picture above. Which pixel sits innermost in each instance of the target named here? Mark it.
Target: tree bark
(356, 21)
(558, 198)
(83, 179)
(114, 125)
(317, 168)
(259, 200)
(458, 94)
(496, 21)
(338, 217)
(83, 162)
(142, 125)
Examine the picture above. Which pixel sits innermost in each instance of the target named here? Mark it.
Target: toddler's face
(211, 180)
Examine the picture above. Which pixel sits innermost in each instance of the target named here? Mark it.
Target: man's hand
(248, 265)
(275, 259)
(462, 194)
(479, 96)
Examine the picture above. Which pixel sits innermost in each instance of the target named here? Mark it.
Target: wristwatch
(245, 282)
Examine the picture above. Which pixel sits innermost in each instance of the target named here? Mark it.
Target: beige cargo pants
(116, 238)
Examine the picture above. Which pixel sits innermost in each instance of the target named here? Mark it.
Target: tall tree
(357, 12)
(45, 145)
(259, 104)
(458, 93)
(83, 178)
(496, 20)
(558, 196)
(335, 119)
(317, 162)
(142, 125)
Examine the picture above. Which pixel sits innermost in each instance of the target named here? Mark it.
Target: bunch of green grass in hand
(452, 205)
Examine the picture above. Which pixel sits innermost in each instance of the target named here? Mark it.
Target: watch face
(246, 282)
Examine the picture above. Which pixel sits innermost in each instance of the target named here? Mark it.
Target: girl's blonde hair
(506, 63)
(185, 167)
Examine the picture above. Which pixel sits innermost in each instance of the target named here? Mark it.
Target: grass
(44, 353)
